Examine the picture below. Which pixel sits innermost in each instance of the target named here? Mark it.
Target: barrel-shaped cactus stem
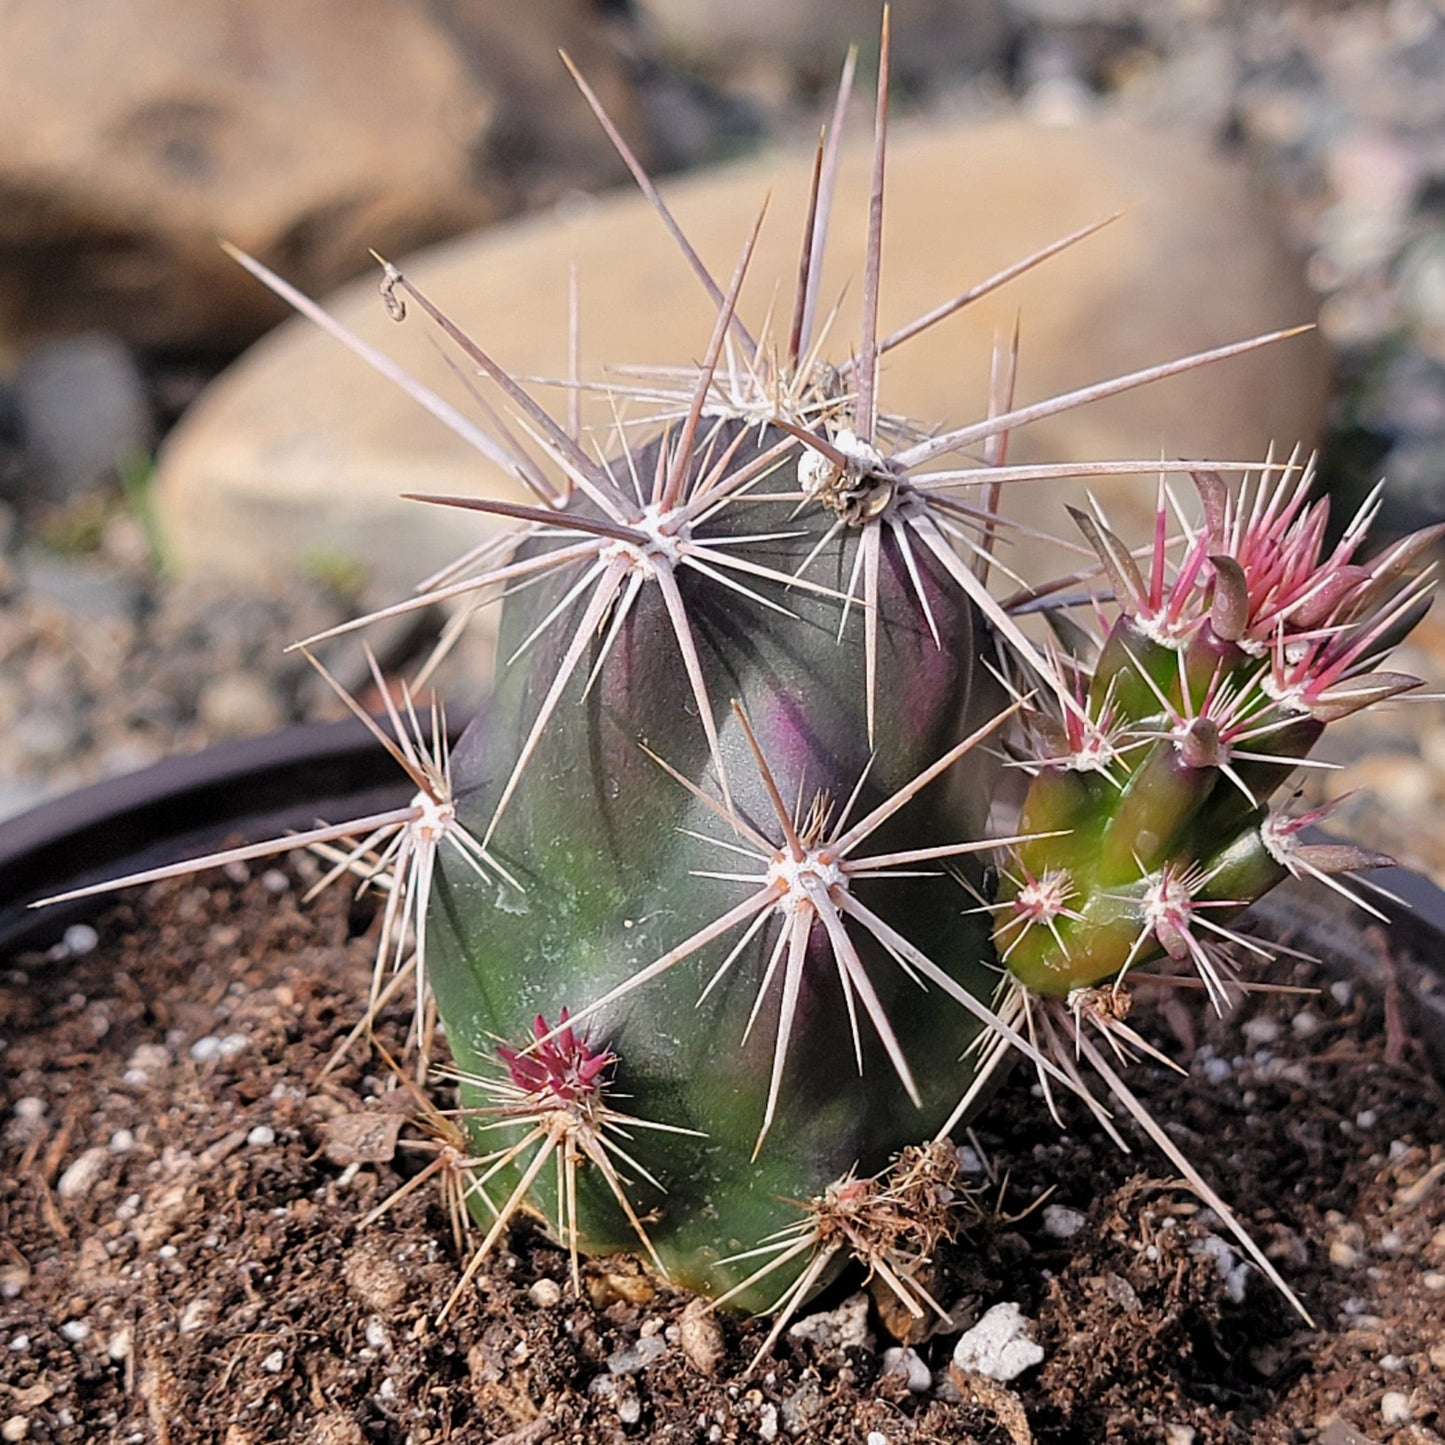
(549, 1097)
(891, 1223)
(632, 530)
(638, 539)
(805, 871)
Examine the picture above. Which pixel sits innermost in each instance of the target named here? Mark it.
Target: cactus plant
(704, 898)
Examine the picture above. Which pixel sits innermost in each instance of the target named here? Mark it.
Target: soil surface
(184, 1252)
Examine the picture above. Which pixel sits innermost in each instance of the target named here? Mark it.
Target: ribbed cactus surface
(836, 1043)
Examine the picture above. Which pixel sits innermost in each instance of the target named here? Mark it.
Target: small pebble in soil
(79, 939)
(1260, 1030)
(1216, 1070)
(768, 1422)
(631, 1359)
(144, 1060)
(82, 1174)
(211, 1047)
(1232, 1269)
(701, 1337)
(909, 1365)
(837, 1329)
(998, 1345)
(546, 1294)
(1395, 1407)
(1061, 1222)
(1344, 1255)
(17, 1427)
(263, 1136)
(75, 1331)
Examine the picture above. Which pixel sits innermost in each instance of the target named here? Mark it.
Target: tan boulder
(301, 449)
(138, 131)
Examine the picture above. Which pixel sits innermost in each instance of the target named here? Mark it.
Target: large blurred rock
(300, 448)
(138, 131)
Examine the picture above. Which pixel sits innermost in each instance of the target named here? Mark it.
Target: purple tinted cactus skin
(608, 849)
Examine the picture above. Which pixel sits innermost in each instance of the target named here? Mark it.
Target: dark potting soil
(183, 1255)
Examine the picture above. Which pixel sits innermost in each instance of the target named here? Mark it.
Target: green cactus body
(612, 854)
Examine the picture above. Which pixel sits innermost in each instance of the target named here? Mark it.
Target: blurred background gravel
(310, 131)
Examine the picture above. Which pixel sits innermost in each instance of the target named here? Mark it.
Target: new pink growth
(1328, 674)
(559, 1068)
(1277, 539)
(1256, 571)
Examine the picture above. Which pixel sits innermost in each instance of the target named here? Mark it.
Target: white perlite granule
(998, 1345)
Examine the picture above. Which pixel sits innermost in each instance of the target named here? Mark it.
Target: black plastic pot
(263, 787)
(181, 808)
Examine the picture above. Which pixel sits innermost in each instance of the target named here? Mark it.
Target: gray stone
(843, 1328)
(83, 412)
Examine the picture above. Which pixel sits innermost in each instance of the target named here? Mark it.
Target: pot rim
(183, 807)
